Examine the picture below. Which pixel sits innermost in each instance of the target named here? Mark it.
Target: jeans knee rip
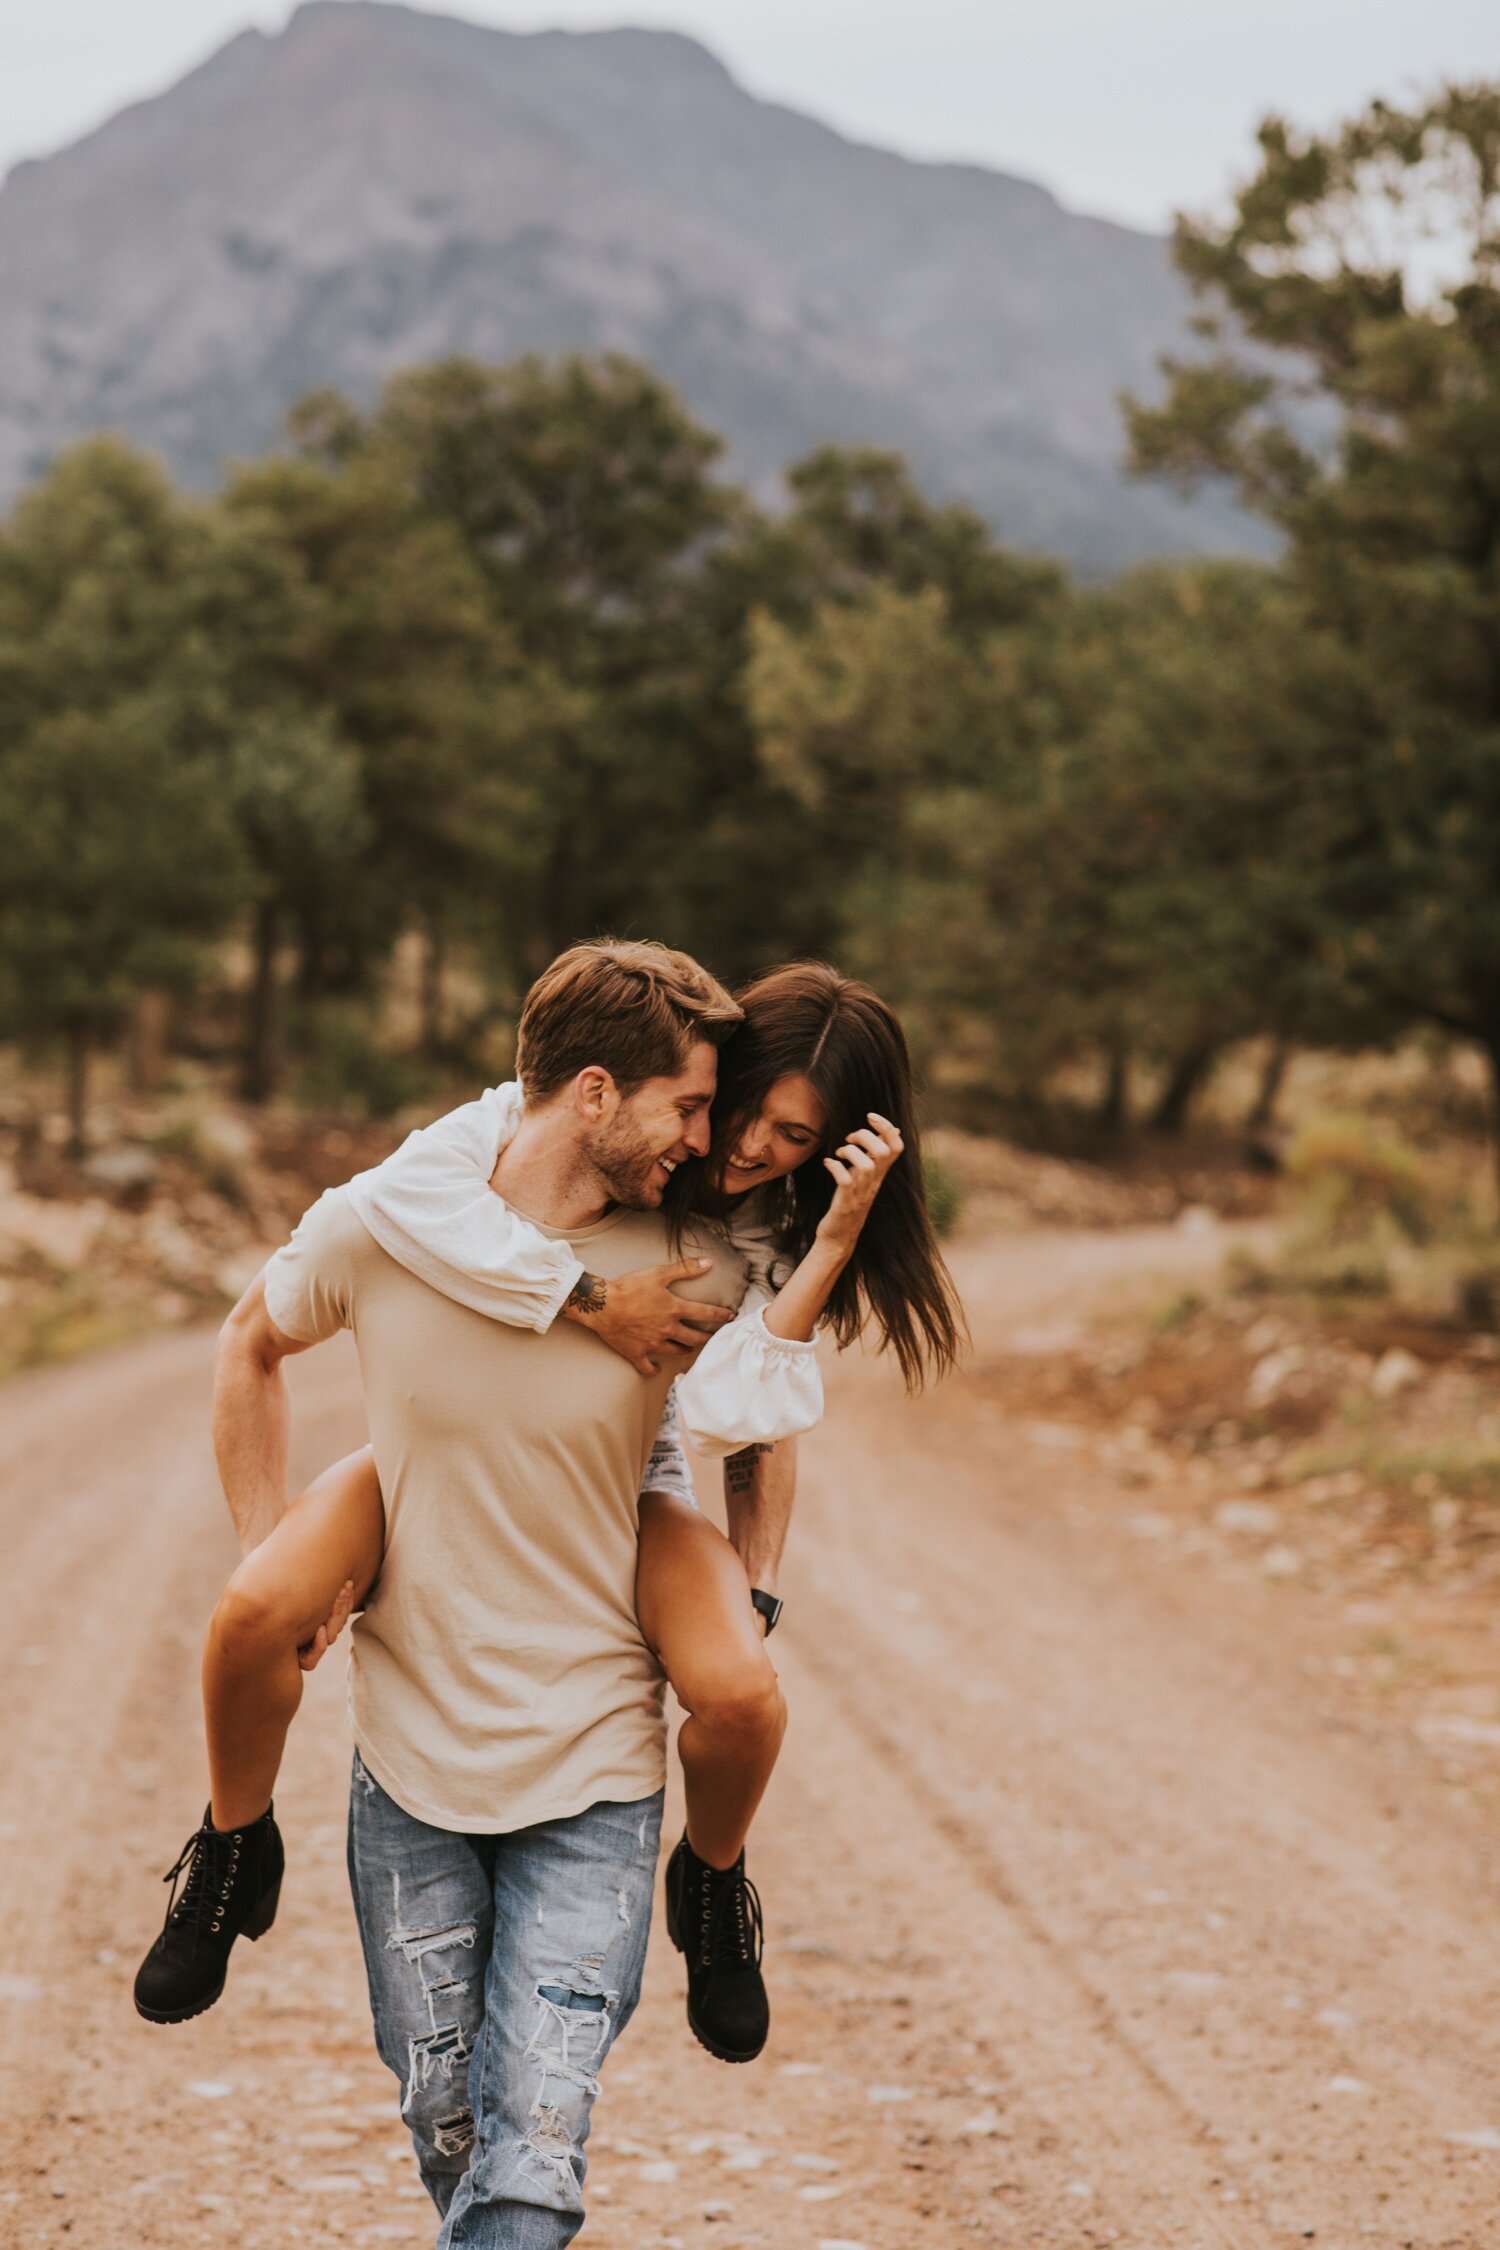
(571, 2032)
(453, 2136)
(439, 2057)
(417, 1944)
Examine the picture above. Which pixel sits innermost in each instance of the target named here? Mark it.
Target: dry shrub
(1350, 1178)
(1373, 1217)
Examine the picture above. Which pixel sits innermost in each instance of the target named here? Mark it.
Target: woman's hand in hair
(858, 1168)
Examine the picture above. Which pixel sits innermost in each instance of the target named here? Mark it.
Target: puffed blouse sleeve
(748, 1387)
(430, 1207)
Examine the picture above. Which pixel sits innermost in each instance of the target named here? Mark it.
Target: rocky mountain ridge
(376, 186)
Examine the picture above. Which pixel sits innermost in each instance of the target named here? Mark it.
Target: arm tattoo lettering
(587, 1295)
(739, 1470)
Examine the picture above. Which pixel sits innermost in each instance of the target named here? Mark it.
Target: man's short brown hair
(627, 1006)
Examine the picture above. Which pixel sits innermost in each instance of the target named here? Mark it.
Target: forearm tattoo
(587, 1295)
(739, 1470)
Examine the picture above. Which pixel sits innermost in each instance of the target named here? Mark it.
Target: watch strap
(769, 1606)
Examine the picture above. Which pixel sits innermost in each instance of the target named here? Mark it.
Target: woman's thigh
(332, 1533)
(693, 1601)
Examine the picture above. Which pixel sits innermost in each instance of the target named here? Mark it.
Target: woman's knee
(740, 1699)
(256, 1619)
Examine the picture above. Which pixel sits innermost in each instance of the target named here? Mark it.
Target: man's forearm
(251, 1426)
(760, 1485)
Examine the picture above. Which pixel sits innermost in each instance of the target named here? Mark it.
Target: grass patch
(1463, 1468)
(69, 1320)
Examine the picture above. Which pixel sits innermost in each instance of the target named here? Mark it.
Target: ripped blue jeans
(502, 1969)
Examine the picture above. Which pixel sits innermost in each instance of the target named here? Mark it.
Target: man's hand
(639, 1316)
(311, 1654)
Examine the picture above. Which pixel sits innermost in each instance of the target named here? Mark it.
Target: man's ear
(595, 1093)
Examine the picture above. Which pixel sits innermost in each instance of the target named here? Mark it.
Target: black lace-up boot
(232, 1881)
(714, 1919)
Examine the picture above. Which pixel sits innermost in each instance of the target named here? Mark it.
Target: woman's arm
(859, 1169)
(757, 1382)
(760, 1485)
(430, 1206)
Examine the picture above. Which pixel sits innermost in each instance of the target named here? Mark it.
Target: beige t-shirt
(498, 1677)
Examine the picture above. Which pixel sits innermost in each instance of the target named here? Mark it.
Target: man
(506, 1802)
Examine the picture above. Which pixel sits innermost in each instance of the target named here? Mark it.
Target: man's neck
(545, 1173)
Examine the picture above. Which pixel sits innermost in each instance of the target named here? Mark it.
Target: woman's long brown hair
(806, 1020)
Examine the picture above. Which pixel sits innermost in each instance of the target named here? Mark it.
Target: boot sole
(178, 2015)
(722, 2054)
(265, 1915)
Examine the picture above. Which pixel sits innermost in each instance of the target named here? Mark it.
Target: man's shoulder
(331, 1221)
(332, 1239)
(309, 1281)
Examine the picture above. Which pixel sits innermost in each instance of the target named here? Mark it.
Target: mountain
(375, 186)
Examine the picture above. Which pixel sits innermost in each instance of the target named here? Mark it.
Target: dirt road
(1095, 1916)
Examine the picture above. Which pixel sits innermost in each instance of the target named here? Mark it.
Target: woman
(851, 1237)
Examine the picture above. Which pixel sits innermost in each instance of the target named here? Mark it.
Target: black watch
(768, 1605)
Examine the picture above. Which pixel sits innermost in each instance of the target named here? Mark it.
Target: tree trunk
(1263, 1109)
(1114, 1103)
(148, 1041)
(258, 1077)
(434, 953)
(1184, 1080)
(78, 1089)
(312, 962)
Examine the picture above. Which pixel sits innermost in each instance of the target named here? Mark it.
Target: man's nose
(698, 1133)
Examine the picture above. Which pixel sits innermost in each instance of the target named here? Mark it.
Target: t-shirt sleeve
(310, 1281)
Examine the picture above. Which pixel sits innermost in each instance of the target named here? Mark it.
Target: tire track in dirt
(1065, 2043)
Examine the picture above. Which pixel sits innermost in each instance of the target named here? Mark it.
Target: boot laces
(730, 1923)
(210, 1874)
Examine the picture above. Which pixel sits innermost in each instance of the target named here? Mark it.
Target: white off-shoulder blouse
(430, 1207)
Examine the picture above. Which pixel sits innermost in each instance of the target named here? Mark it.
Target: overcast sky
(1130, 108)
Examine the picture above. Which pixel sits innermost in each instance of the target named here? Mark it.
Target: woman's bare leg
(693, 1601)
(330, 1538)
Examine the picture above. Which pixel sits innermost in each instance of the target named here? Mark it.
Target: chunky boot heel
(265, 1912)
(231, 1888)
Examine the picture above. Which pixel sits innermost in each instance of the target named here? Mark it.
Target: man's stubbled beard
(623, 1159)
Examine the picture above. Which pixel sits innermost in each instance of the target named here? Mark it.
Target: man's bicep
(252, 1329)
